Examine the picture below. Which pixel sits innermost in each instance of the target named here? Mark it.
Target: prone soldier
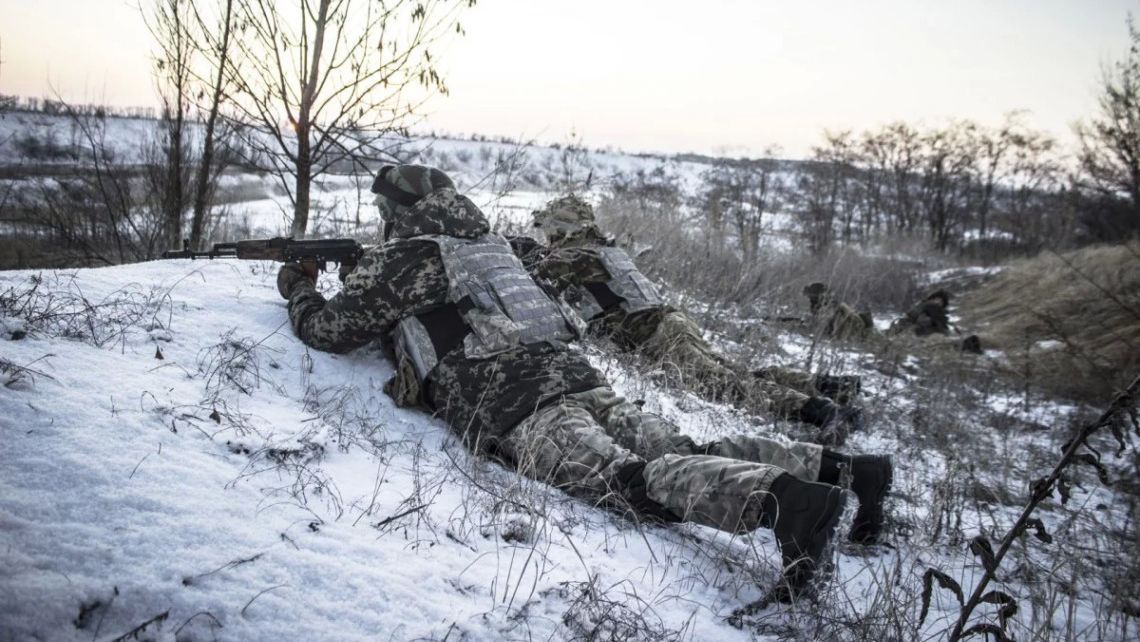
(478, 343)
(607, 290)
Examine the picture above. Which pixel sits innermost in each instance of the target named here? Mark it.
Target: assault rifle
(343, 252)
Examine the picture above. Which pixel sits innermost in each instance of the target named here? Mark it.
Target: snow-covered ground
(305, 507)
(174, 455)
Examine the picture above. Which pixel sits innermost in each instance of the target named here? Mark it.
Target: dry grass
(1069, 322)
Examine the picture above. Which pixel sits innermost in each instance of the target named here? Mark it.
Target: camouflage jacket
(577, 262)
(481, 399)
(925, 318)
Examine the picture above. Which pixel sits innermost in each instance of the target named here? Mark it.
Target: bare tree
(739, 191)
(947, 181)
(1110, 142)
(166, 21)
(1029, 199)
(825, 190)
(215, 38)
(992, 149)
(319, 81)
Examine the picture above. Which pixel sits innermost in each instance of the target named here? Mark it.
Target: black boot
(839, 388)
(804, 516)
(835, 422)
(631, 478)
(870, 480)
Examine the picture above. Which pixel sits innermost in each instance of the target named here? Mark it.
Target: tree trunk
(304, 182)
(206, 166)
(304, 161)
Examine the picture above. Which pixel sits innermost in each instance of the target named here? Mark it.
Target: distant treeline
(56, 107)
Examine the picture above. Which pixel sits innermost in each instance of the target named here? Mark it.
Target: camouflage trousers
(582, 442)
(841, 321)
(690, 362)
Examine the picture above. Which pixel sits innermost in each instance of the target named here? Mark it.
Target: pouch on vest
(501, 307)
(626, 287)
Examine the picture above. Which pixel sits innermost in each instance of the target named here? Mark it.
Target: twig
(271, 588)
(393, 518)
(191, 618)
(1041, 489)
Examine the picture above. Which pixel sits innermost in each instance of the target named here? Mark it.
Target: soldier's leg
(563, 445)
(740, 496)
(870, 475)
(795, 457)
(798, 380)
(687, 359)
(840, 388)
(776, 399)
(643, 433)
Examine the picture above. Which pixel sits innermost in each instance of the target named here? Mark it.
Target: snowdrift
(178, 466)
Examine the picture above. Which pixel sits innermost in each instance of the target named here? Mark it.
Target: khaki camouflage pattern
(675, 347)
(416, 179)
(669, 341)
(582, 442)
(479, 398)
(542, 407)
(834, 318)
(565, 216)
(926, 317)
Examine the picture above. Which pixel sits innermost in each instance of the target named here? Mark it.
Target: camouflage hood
(444, 212)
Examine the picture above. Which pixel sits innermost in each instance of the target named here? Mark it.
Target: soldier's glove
(343, 271)
(292, 274)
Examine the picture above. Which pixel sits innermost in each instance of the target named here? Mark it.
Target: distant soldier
(928, 316)
(604, 286)
(836, 319)
(478, 343)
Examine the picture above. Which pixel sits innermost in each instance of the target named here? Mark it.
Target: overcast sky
(716, 76)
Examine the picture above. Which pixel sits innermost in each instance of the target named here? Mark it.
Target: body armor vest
(500, 307)
(626, 287)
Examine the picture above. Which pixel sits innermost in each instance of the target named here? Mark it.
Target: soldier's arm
(572, 266)
(527, 249)
(372, 300)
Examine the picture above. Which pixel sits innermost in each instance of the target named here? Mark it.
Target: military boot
(839, 388)
(835, 422)
(871, 477)
(804, 517)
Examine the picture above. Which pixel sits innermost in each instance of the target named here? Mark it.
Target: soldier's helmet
(563, 217)
(942, 296)
(399, 187)
(817, 294)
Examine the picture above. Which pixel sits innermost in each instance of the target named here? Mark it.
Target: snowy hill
(178, 465)
(507, 179)
(305, 507)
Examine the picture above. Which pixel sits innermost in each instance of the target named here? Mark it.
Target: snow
(119, 488)
(308, 506)
(251, 489)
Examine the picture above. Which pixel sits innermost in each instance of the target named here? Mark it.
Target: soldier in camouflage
(478, 343)
(836, 319)
(604, 286)
(928, 316)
